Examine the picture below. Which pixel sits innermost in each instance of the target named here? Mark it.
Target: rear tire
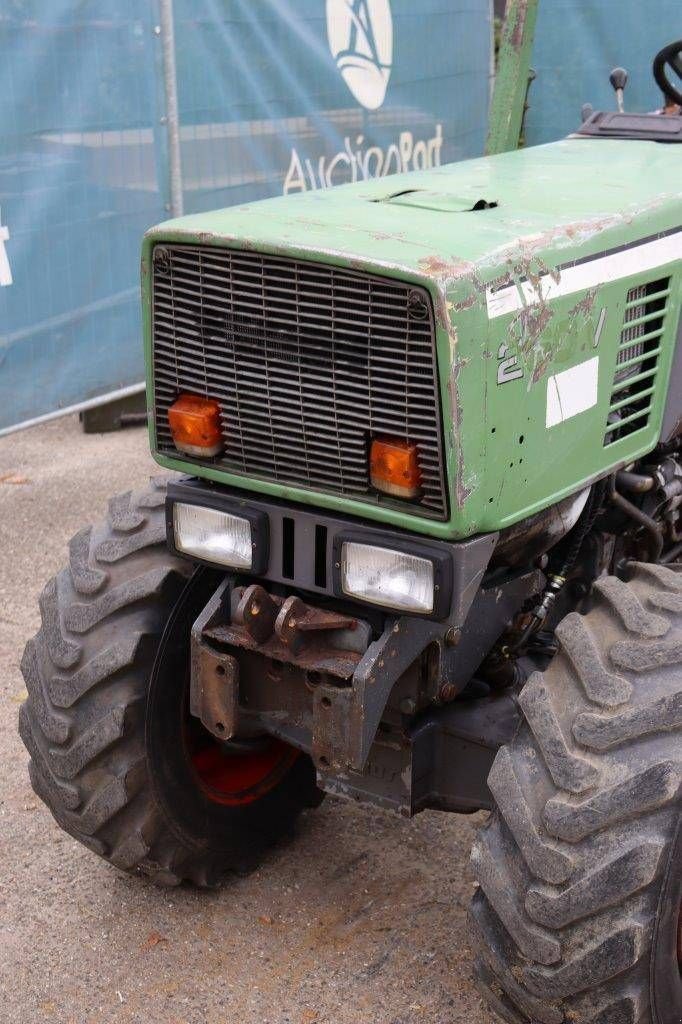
(108, 751)
(580, 864)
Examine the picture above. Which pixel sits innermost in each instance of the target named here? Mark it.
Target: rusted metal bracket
(280, 631)
(257, 613)
(289, 631)
(346, 722)
(214, 678)
(290, 619)
(217, 692)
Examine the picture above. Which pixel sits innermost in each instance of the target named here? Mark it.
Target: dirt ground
(360, 919)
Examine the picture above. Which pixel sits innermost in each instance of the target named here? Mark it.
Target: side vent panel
(639, 350)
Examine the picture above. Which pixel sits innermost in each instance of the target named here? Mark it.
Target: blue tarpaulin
(578, 43)
(273, 96)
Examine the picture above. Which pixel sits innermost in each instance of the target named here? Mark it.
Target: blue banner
(79, 184)
(291, 95)
(274, 96)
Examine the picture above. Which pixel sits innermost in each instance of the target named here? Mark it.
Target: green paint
(556, 204)
(511, 79)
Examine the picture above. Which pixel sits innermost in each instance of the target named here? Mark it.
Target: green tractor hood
(492, 239)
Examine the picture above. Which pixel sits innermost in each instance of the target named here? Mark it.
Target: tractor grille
(307, 361)
(634, 382)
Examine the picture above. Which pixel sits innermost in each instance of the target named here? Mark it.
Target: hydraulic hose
(556, 577)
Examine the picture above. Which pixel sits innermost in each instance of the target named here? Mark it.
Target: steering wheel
(670, 57)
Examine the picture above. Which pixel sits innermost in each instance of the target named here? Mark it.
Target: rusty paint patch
(527, 328)
(584, 307)
(462, 492)
(519, 25)
(501, 281)
(534, 321)
(521, 251)
(443, 321)
(434, 266)
(541, 366)
(466, 303)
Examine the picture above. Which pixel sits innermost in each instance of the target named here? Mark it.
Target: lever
(619, 79)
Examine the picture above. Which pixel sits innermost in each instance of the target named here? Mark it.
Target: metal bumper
(366, 693)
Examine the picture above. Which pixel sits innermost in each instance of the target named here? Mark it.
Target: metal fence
(116, 114)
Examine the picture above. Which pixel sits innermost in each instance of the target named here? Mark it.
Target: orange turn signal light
(195, 425)
(394, 468)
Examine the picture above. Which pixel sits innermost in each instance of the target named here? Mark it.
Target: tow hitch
(262, 663)
(293, 671)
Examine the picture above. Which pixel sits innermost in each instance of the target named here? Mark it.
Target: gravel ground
(361, 918)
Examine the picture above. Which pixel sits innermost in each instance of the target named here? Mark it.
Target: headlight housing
(392, 579)
(398, 572)
(214, 536)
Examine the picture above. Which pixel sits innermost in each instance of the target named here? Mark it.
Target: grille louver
(307, 361)
(639, 349)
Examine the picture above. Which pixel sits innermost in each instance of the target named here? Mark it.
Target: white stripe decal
(616, 265)
(572, 391)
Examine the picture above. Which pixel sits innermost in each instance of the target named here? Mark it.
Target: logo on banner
(360, 34)
(5, 271)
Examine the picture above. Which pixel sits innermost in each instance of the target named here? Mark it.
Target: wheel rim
(233, 777)
(228, 773)
(222, 830)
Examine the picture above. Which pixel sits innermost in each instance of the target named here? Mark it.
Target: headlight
(212, 535)
(389, 578)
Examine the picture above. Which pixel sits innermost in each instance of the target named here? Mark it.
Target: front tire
(115, 755)
(577, 914)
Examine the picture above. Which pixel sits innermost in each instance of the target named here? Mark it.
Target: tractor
(420, 546)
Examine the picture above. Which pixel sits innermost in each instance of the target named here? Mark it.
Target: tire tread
(586, 797)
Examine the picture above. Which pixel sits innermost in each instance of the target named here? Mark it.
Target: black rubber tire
(88, 673)
(573, 920)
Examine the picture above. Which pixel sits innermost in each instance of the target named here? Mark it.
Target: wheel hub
(232, 774)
